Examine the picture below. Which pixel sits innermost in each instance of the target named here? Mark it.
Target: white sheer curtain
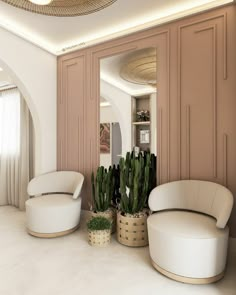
(14, 148)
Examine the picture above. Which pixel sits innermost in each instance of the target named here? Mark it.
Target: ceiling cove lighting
(147, 21)
(142, 91)
(124, 29)
(105, 104)
(20, 31)
(41, 2)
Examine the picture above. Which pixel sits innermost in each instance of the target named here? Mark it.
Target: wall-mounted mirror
(110, 135)
(128, 97)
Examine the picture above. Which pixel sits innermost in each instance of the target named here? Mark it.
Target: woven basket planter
(109, 214)
(132, 231)
(99, 238)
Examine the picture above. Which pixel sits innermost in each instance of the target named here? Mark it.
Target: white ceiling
(57, 35)
(110, 72)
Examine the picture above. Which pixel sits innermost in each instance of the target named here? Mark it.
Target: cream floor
(69, 266)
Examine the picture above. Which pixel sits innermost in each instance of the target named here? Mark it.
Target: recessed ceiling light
(1, 69)
(41, 2)
(104, 104)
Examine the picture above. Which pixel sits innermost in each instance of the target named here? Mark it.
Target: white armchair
(55, 208)
(188, 236)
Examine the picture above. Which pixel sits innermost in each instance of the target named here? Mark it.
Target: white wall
(4, 79)
(121, 105)
(33, 70)
(107, 115)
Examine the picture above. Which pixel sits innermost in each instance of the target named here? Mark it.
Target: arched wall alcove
(33, 71)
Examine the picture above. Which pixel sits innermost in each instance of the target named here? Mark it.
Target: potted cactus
(99, 231)
(137, 178)
(116, 194)
(103, 186)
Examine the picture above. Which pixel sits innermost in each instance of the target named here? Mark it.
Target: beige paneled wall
(71, 114)
(196, 107)
(202, 69)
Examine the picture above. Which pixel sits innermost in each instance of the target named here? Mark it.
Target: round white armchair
(188, 237)
(55, 208)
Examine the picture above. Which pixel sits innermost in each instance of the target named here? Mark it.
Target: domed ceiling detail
(141, 67)
(63, 8)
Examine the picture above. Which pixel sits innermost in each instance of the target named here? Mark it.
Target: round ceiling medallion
(141, 67)
(63, 7)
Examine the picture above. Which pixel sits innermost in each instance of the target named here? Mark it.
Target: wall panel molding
(225, 175)
(67, 94)
(205, 40)
(160, 145)
(225, 47)
(212, 28)
(115, 45)
(168, 103)
(214, 91)
(179, 101)
(188, 142)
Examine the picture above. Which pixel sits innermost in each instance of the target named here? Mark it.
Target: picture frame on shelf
(144, 136)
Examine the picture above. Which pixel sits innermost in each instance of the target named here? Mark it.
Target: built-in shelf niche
(141, 130)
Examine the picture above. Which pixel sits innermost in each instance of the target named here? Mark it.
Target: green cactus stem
(136, 181)
(102, 188)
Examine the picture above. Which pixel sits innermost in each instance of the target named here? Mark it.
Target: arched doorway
(17, 139)
(35, 118)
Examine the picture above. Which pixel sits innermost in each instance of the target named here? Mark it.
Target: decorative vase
(99, 238)
(132, 231)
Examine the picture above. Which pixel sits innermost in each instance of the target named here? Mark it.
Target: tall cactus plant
(135, 181)
(116, 195)
(102, 188)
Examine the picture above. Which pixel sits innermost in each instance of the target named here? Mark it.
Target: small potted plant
(136, 181)
(99, 231)
(103, 189)
(143, 115)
